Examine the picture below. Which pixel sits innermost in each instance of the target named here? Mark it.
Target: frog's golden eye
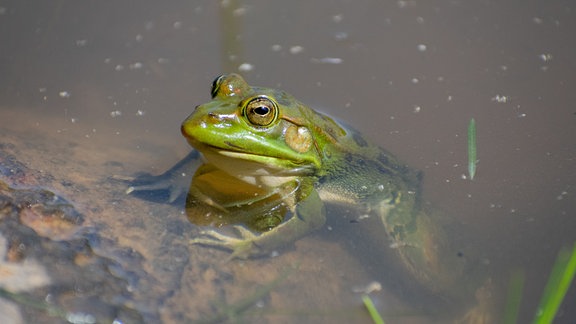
(261, 111)
(216, 85)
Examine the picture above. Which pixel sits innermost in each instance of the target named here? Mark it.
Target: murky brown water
(94, 89)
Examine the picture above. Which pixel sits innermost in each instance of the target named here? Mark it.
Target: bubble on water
(135, 66)
(81, 42)
(115, 113)
(64, 94)
(296, 49)
(405, 3)
(340, 36)
(562, 195)
(245, 67)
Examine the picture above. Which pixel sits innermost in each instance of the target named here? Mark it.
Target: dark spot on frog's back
(359, 140)
(349, 157)
(388, 164)
(383, 158)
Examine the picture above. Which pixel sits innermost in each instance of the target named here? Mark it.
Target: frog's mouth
(233, 159)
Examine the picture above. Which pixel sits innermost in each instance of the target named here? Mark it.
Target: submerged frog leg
(308, 215)
(175, 181)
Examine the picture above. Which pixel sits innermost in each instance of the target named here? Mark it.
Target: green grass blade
(372, 310)
(558, 283)
(472, 149)
(514, 298)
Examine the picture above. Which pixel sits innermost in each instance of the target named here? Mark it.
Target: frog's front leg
(174, 181)
(309, 214)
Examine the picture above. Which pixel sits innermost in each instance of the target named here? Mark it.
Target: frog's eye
(216, 85)
(261, 111)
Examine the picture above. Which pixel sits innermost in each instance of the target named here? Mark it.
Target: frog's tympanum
(271, 164)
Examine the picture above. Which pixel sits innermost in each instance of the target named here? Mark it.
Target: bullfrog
(268, 165)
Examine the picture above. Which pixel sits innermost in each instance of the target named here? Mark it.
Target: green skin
(284, 161)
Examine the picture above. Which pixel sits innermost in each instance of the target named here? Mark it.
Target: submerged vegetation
(558, 283)
(560, 279)
(376, 318)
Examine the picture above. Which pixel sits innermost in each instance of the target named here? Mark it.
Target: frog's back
(358, 170)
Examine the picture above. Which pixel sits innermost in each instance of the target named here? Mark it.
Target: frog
(266, 165)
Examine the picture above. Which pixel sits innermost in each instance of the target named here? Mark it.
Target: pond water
(95, 89)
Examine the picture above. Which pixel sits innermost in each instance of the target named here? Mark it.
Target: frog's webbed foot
(169, 186)
(242, 246)
(309, 215)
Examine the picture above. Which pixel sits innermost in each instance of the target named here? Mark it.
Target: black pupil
(261, 110)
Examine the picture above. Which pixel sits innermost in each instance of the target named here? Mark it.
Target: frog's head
(258, 131)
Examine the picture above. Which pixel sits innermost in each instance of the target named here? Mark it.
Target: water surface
(115, 80)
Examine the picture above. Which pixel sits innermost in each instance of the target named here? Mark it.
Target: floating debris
(545, 57)
(115, 113)
(500, 99)
(328, 60)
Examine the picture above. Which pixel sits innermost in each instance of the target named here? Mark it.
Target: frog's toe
(242, 247)
(215, 238)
